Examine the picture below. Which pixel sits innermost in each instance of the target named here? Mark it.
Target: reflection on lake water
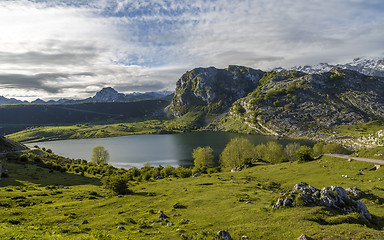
(168, 149)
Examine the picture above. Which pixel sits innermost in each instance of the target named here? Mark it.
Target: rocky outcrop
(333, 196)
(295, 104)
(213, 89)
(7, 145)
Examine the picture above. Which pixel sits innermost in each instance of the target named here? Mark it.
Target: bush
(183, 172)
(333, 148)
(118, 185)
(304, 154)
(168, 171)
(23, 158)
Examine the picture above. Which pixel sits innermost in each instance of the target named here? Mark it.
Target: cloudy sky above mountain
(72, 48)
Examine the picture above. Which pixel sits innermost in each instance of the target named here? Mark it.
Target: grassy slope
(188, 122)
(211, 204)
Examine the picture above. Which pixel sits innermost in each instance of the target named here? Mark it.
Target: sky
(52, 49)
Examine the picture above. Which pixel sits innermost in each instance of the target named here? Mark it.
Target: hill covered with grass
(45, 203)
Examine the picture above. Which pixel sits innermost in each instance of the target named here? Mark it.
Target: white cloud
(71, 48)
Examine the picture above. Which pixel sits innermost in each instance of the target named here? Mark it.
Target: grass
(38, 204)
(356, 130)
(189, 122)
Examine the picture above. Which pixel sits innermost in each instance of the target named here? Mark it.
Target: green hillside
(38, 203)
(19, 116)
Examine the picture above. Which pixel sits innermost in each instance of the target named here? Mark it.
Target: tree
(99, 155)
(274, 153)
(304, 154)
(290, 150)
(237, 153)
(333, 148)
(318, 149)
(203, 157)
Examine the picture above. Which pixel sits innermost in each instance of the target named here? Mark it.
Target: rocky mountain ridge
(285, 103)
(370, 67)
(107, 94)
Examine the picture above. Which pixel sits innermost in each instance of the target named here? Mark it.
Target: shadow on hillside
(330, 216)
(25, 174)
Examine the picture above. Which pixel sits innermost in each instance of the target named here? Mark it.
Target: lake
(167, 149)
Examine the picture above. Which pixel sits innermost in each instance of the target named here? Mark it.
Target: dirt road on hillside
(377, 161)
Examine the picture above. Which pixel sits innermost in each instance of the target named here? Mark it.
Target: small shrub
(118, 185)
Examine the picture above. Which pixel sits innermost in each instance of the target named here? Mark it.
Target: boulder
(196, 175)
(224, 235)
(355, 193)
(162, 215)
(304, 237)
(85, 222)
(333, 196)
(120, 227)
(375, 168)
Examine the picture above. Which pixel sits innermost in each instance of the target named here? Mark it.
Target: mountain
(4, 101)
(213, 89)
(371, 67)
(107, 94)
(7, 145)
(285, 103)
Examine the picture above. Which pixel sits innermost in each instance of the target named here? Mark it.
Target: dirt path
(356, 158)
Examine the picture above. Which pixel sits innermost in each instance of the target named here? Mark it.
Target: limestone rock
(224, 235)
(355, 192)
(333, 196)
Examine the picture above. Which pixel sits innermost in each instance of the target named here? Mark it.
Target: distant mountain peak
(371, 67)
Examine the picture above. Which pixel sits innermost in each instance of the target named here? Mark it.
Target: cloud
(54, 48)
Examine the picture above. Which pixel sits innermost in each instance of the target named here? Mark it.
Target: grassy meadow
(38, 203)
(188, 122)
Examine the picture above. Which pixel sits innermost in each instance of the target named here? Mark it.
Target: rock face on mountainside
(7, 145)
(108, 94)
(294, 104)
(213, 89)
(284, 103)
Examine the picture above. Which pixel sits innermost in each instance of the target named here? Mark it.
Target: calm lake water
(136, 150)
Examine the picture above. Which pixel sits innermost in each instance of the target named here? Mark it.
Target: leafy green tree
(203, 157)
(260, 151)
(237, 152)
(318, 149)
(100, 155)
(274, 152)
(304, 154)
(333, 148)
(290, 150)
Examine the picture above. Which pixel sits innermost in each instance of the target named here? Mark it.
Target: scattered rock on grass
(196, 174)
(184, 221)
(332, 196)
(85, 222)
(162, 215)
(224, 235)
(355, 192)
(120, 227)
(304, 237)
(375, 168)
